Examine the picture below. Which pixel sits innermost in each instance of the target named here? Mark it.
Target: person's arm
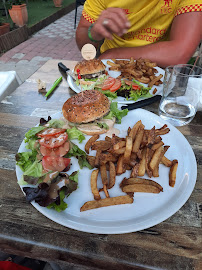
(115, 21)
(185, 36)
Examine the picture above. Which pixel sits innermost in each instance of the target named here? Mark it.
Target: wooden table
(173, 244)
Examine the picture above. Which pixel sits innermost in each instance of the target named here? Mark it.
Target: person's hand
(111, 21)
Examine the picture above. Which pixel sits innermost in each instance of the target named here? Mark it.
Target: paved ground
(56, 41)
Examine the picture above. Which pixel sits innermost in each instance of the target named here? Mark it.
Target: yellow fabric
(150, 20)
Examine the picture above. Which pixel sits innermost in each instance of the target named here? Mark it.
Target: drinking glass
(182, 87)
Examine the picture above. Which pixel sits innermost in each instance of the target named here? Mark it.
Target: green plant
(10, 3)
(1, 21)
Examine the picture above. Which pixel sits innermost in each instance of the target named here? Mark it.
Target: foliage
(10, 3)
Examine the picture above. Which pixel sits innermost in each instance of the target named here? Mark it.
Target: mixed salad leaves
(48, 159)
(112, 88)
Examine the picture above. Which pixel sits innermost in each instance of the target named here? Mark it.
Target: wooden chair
(78, 3)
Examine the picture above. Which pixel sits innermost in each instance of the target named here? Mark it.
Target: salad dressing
(49, 176)
(55, 187)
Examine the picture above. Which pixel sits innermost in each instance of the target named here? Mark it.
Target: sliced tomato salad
(54, 145)
(54, 141)
(48, 132)
(51, 163)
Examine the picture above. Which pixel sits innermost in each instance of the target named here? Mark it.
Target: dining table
(175, 243)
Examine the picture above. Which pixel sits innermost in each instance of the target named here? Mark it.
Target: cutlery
(65, 70)
(142, 103)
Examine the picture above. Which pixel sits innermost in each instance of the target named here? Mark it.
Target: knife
(65, 70)
(142, 103)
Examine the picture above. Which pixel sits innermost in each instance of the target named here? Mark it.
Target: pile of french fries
(141, 152)
(143, 70)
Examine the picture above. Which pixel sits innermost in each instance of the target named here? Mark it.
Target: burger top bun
(89, 67)
(86, 107)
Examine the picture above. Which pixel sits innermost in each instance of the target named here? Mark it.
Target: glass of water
(182, 87)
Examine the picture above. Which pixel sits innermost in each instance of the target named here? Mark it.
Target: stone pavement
(56, 41)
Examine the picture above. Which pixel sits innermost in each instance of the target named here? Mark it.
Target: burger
(88, 69)
(86, 111)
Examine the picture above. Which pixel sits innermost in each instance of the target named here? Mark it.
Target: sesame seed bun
(90, 68)
(86, 107)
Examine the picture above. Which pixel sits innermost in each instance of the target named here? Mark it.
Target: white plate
(115, 74)
(147, 209)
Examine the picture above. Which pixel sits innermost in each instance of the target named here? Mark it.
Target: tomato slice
(134, 85)
(108, 83)
(50, 132)
(116, 85)
(55, 152)
(55, 163)
(53, 142)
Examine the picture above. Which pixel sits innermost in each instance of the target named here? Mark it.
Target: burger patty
(93, 75)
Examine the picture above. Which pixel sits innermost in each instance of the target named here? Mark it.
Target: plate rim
(127, 228)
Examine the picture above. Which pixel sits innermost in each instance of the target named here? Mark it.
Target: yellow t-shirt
(150, 20)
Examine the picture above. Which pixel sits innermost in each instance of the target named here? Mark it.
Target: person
(166, 31)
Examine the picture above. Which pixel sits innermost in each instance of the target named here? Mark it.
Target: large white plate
(147, 209)
(115, 74)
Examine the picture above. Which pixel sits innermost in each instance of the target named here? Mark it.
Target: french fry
(150, 84)
(140, 188)
(138, 139)
(112, 64)
(107, 202)
(91, 160)
(149, 154)
(157, 145)
(156, 171)
(103, 172)
(142, 167)
(104, 158)
(129, 146)
(136, 180)
(97, 158)
(120, 151)
(162, 132)
(134, 172)
(119, 168)
(156, 158)
(151, 137)
(134, 129)
(90, 142)
(172, 173)
(93, 183)
(119, 145)
(101, 145)
(167, 162)
(112, 175)
(106, 191)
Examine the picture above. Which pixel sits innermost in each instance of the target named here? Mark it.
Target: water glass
(182, 87)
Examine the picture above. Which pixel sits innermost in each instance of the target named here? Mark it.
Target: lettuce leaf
(62, 206)
(74, 133)
(35, 169)
(32, 133)
(25, 159)
(55, 123)
(74, 176)
(109, 94)
(135, 95)
(75, 151)
(115, 112)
